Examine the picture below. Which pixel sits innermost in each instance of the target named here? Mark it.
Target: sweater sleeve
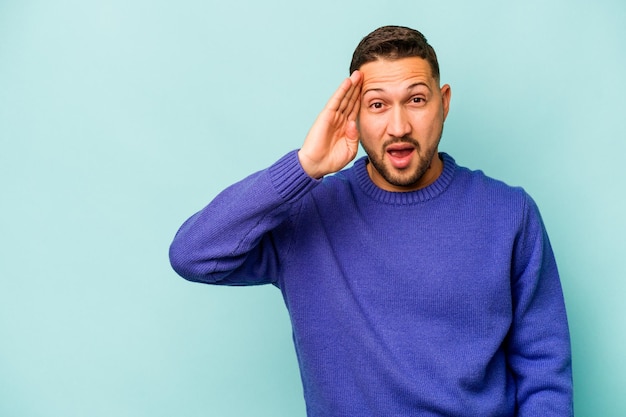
(232, 241)
(539, 351)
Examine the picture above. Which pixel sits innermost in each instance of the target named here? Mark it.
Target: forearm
(216, 241)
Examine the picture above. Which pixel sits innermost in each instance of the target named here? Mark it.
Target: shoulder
(493, 197)
(335, 196)
(477, 184)
(340, 184)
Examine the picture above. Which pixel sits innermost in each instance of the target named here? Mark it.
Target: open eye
(417, 100)
(376, 106)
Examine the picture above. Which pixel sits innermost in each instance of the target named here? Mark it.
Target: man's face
(400, 122)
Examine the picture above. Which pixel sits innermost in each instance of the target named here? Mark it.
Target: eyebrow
(421, 83)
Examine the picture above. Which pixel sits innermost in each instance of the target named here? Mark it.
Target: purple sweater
(444, 301)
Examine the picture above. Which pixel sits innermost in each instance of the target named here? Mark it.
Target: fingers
(352, 132)
(332, 141)
(348, 93)
(354, 103)
(354, 97)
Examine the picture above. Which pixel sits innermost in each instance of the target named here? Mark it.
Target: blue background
(119, 119)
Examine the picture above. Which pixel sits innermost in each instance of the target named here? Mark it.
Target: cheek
(365, 136)
(427, 125)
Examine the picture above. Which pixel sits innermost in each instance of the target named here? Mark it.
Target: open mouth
(400, 155)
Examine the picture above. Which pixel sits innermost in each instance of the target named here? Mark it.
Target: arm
(539, 351)
(231, 241)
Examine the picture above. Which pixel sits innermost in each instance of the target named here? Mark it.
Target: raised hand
(333, 139)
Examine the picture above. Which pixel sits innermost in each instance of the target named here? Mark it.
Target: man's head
(394, 42)
(402, 108)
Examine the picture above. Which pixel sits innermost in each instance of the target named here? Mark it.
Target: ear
(446, 95)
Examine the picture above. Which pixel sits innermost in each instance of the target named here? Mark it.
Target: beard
(405, 178)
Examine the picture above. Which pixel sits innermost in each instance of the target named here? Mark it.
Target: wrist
(289, 179)
(309, 166)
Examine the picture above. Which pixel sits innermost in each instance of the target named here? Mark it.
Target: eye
(377, 106)
(417, 100)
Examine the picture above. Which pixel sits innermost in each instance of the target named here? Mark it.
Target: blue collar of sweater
(409, 197)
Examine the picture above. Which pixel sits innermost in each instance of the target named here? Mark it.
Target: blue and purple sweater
(444, 301)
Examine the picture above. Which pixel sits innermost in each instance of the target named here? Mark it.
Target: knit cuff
(289, 179)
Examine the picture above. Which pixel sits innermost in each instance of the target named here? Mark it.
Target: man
(415, 287)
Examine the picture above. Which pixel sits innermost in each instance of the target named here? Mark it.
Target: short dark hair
(394, 42)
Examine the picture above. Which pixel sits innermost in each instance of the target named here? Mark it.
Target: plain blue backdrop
(119, 119)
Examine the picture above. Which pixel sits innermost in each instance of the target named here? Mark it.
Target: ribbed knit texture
(445, 301)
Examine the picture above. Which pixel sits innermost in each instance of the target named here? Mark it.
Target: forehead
(385, 72)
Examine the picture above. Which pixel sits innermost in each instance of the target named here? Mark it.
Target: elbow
(182, 263)
(178, 261)
(192, 268)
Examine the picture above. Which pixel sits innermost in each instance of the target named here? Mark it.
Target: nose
(398, 125)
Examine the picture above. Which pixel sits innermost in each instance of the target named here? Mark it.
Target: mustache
(403, 139)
